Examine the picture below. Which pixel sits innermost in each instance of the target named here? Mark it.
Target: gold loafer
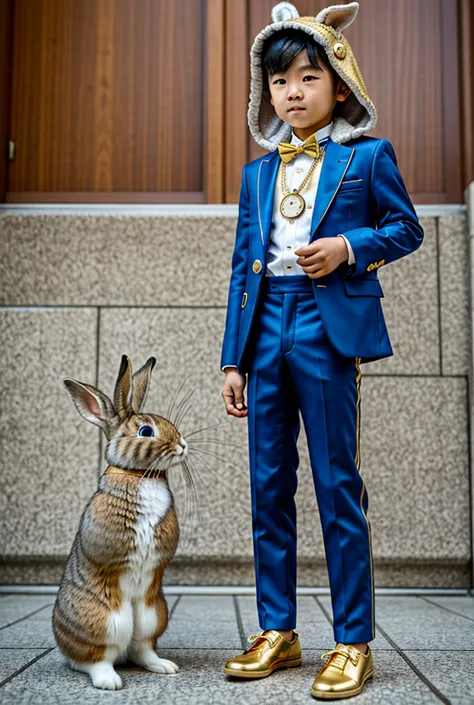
(344, 673)
(269, 651)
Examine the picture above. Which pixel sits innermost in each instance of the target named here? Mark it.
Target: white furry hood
(358, 114)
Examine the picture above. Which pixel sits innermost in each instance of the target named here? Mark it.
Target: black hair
(284, 45)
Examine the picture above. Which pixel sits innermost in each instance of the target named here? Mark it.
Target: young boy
(303, 313)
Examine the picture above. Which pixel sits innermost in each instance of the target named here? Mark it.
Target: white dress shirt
(286, 236)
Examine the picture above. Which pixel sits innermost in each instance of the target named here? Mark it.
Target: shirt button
(298, 171)
(309, 206)
(288, 266)
(291, 222)
(288, 247)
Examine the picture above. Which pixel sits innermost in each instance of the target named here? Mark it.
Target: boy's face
(311, 90)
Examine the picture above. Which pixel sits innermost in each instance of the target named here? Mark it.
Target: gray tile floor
(423, 653)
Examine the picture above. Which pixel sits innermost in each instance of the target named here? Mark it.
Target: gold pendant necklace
(293, 204)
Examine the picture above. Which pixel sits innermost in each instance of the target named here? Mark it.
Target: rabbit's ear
(141, 384)
(93, 405)
(338, 16)
(123, 389)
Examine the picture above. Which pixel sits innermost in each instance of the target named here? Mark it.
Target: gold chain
(284, 187)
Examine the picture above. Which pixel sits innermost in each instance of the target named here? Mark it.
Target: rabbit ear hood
(358, 114)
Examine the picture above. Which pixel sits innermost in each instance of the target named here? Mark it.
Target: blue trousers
(293, 368)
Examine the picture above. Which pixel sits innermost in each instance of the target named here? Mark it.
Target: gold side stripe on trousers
(357, 462)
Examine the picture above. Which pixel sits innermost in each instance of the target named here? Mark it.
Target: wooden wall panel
(108, 100)
(214, 101)
(6, 20)
(237, 84)
(466, 61)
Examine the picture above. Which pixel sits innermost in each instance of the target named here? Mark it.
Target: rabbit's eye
(146, 431)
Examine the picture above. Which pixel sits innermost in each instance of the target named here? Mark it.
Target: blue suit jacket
(361, 194)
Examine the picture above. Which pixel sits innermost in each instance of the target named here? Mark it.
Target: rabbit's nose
(182, 447)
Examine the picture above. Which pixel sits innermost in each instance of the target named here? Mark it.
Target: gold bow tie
(289, 151)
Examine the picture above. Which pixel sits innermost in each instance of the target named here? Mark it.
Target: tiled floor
(423, 653)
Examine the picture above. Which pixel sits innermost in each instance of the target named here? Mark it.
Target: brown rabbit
(110, 605)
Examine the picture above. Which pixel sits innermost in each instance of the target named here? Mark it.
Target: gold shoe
(269, 651)
(344, 673)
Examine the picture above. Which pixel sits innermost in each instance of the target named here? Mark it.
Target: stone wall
(76, 292)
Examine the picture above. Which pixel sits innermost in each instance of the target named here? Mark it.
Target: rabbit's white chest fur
(153, 504)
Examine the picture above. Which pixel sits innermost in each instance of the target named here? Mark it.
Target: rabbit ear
(141, 384)
(123, 389)
(93, 405)
(338, 16)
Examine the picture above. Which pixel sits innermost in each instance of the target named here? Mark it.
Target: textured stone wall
(76, 292)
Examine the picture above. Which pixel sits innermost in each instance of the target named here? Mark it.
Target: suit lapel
(266, 180)
(335, 164)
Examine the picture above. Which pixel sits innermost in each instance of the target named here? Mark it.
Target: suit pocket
(362, 287)
(351, 185)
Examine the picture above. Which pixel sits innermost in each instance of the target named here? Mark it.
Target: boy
(303, 313)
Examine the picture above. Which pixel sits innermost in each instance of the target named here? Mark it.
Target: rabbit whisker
(207, 428)
(185, 413)
(189, 478)
(146, 474)
(198, 451)
(208, 452)
(213, 440)
(150, 472)
(196, 472)
(182, 403)
(212, 470)
(190, 499)
(176, 396)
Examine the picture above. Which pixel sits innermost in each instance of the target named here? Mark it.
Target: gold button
(309, 206)
(257, 266)
(298, 171)
(339, 50)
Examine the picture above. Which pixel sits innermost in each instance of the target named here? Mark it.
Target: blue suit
(301, 341)
(360, 187)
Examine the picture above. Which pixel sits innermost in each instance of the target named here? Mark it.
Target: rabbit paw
(105, 677)
(150, 661)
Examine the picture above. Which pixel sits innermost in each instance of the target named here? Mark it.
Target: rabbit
(110, 605)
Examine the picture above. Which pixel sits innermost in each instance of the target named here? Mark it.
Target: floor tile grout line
(323, 609)
(420, 675)
(27, 665)
(172, 610)
(240, 624)
(414, 668)
(22, 619)
(443, 607)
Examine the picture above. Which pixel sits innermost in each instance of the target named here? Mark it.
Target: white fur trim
(283, 11)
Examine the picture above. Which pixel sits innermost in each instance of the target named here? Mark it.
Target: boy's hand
(233, 393)
(322, 256)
